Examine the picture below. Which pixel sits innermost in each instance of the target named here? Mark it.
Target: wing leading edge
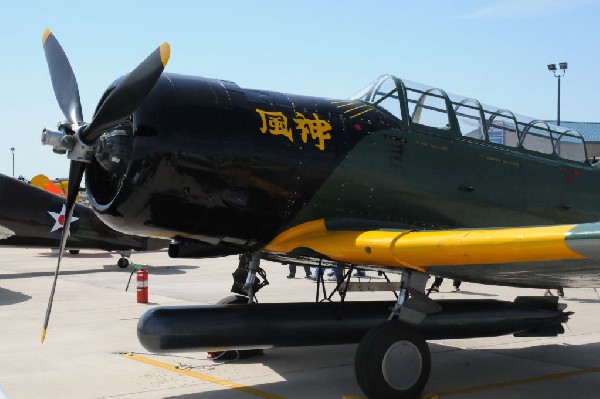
(524, 248)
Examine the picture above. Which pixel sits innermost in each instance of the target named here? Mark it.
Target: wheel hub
(401, 365)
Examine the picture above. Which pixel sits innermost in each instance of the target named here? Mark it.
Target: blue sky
(495, 51)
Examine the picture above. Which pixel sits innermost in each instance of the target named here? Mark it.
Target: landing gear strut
(393, 360)
(245, 284)
(245, 279)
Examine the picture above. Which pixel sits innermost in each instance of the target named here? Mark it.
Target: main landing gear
(393, 360)
(245, 279)
(246, 284)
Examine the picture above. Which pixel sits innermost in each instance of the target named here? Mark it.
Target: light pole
(13, 156)
(563, 69)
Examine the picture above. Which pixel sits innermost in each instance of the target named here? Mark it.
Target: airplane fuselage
(228, 166)
(358, 182)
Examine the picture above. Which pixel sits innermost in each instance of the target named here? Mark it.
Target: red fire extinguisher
(142, 285)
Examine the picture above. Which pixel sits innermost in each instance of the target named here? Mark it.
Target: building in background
(590, 132)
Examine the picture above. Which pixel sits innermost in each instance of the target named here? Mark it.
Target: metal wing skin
(31, 217)
(540, 256)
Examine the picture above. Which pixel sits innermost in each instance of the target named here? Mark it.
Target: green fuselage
(428, 180)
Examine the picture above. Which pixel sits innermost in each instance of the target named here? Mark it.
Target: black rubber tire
(123, 263)
(73, 251)
(377, 351)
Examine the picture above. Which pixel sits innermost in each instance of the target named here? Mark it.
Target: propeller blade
(75, 175)
(63, 79)
(128, 95)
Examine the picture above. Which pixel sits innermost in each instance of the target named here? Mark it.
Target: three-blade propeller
(123, 100)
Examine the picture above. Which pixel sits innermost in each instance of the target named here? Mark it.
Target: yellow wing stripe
(421, 249)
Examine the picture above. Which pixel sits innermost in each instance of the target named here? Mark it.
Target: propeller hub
(52, 138)
(68, 142)
(64, 140)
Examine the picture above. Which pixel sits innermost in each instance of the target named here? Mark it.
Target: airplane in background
(32, 217)
(56, 186)
(402, 178)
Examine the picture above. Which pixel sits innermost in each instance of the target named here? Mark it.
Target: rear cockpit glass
(538, 137)
(570, 145)
(470, 120)
(502, 128)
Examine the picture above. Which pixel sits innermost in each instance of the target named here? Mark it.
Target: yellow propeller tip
(47, 33)
(43, 335)
(165, 53)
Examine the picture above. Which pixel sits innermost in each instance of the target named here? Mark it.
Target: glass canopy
(419, 105)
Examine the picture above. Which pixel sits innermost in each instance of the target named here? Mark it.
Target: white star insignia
(59, 219)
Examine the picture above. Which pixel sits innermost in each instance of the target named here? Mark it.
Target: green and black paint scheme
(402, 177)
(225, 170)
(33, 218)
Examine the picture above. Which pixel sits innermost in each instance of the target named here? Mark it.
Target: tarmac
(91, 348)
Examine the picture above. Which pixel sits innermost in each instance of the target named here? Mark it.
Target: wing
(539, 256)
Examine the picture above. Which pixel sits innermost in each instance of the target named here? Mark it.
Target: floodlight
(563, 68)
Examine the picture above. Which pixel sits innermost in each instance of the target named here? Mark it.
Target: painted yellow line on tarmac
(523, 381)
(204, 377)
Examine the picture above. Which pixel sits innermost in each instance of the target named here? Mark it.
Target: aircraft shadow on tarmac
(156, 270)
(323, 370)
(8, 297)
(583, 300)
(82, 255)
(480, 370)
(168, 270)
(580, 300)
(464, 292)
(306, 372)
